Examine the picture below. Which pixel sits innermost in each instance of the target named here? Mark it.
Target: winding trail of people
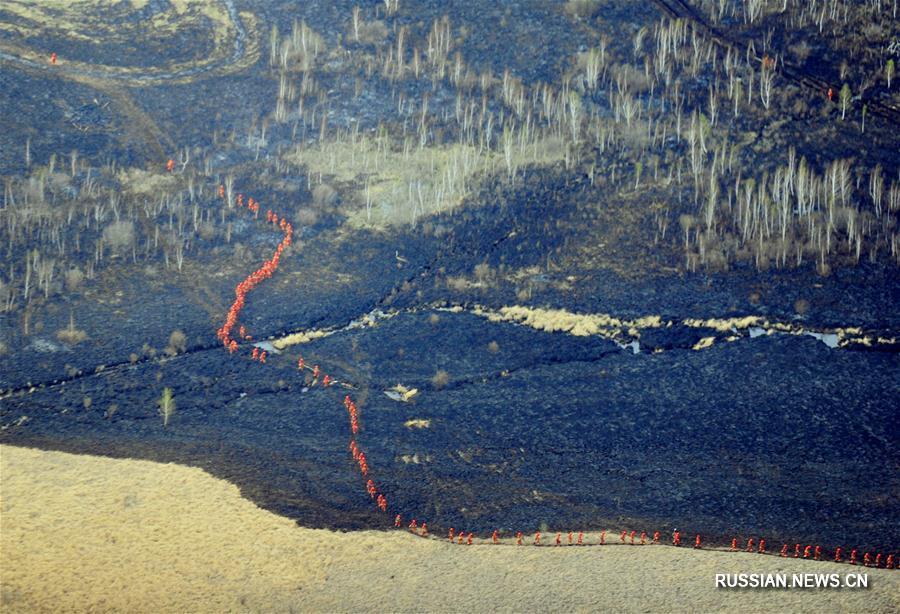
(236, 339)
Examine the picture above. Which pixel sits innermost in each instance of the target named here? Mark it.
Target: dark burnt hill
(778, 436)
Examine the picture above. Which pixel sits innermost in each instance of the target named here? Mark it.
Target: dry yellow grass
(560, 320)
(83, 533)
(395, 187)
(71, 335)
(417, 423)
(726, 324)
(706, 342)
(610, 327)
(298, 338)
(139, 182)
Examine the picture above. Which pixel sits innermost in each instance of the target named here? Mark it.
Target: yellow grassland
(83, 533)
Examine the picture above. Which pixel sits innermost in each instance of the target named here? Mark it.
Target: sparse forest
(711, 138)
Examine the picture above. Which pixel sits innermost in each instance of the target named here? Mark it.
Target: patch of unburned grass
(388, 186)
(560, 320)
(298, 338)
(71, 336)
(417, 423)
(139, 182)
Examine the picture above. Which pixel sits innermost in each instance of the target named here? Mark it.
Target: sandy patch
(82, 533)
